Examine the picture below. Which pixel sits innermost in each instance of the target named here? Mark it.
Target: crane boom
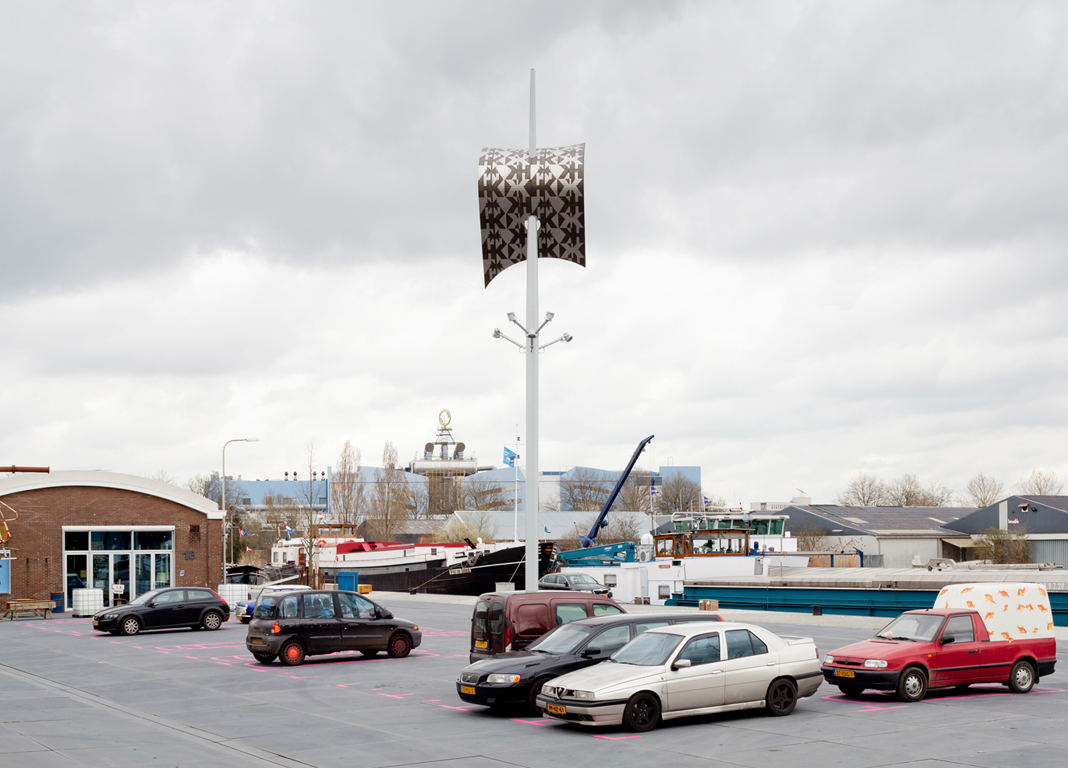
(589, 541)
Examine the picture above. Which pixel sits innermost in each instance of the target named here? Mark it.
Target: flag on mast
(510, 456)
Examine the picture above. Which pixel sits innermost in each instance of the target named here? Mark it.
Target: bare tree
(679, 494)
(1001, 546)
(482, 494)
(162, 476)
(811, 538)
(584, 489)
(389, 507)
(983, 491)
(278, 512)
(910, 491)
(1040, 483)
(210, 487)
(477, 524)
(635, 494)
(864, 490)
(347, 499)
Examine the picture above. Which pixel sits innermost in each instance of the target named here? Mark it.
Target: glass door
(110, 570)
(77, 576)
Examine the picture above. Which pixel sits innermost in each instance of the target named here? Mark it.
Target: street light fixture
(226, 529)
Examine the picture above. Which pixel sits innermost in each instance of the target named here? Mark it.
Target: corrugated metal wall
(1055, 551)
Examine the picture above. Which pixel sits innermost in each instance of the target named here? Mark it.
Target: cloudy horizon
(822, 238)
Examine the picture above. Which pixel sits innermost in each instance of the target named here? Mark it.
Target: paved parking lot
(70, 696)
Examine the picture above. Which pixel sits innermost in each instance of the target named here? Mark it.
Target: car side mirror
(682, 664)
(592, 651)
(152, 604)
(382, 613)
(947, 639)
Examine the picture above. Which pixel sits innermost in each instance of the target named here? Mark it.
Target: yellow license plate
(844, 673)
(469, 689)
(556, 709)
(482, 643)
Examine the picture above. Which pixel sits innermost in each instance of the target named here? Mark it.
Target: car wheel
(781, 698)
(211, 620)
(1022, 677)
(292, 654)
(642, 712)
(264, 658)
(399, 646)
(131, 626)
(535, 689)
(370, 653)
(912, 685)
(852, 691)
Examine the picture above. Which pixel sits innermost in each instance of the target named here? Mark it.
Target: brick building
(103, 529)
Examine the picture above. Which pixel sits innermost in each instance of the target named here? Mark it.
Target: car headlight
(502, 679)
(111, 615)
(875, 663)
(828, 659)
(579, 694)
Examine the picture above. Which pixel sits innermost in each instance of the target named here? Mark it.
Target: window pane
(703, 649)
(738, 644)
(163, 570)
(961, 628)
(76, 574)
(287, 609)
(143, 573)
(199, 594)
(152, 539)
(566, 612)
(611, 640)
(481, 609)
(111, 540)
(318, 606)
(639, 628)
(496, 618)
(758, 644)
(76, 540)
(605, 610)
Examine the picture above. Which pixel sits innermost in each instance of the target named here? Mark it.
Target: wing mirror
(152, 604)
(382, 613)
(947, 638)
(681, 664)
(590, 652)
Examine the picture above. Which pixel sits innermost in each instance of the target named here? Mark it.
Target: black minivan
(291, 626)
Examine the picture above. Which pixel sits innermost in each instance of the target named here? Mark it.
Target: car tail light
(215, 593)
(276, 628)
(507, 636)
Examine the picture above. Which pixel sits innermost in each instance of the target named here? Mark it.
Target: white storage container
(232, 593)
(86, 602)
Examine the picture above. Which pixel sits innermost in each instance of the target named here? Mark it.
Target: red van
(505, 621)
(978, 633)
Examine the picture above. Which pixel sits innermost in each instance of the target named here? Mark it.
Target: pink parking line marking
(869, 708)
(345, 685)
(429, 701)
(533, 722)
(458, 709)
(397, 695)
(616, 738)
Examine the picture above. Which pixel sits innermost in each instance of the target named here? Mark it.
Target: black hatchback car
(165, 608)
(576, 582)
(290, 626)
(516, 677)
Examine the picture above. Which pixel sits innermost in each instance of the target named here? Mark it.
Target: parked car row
(577, 656)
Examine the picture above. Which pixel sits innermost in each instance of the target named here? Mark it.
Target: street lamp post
(227, 536)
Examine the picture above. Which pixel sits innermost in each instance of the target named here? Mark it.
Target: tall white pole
(532, 500)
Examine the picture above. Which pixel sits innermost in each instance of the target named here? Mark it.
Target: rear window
(566, 612)
(199, 594)
(277, 606)
(481, 610)
(496, 618)
(605, 610)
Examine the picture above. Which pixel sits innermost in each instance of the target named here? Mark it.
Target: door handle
(772, 663)
(972, 651)
(716, 671)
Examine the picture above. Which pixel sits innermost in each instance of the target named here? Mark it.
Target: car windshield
(142, 599)
(920, 627)
(647, 650)
(561, 640)
(581, 578)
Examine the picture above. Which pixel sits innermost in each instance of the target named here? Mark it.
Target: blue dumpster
(58, 600)
(348, 581)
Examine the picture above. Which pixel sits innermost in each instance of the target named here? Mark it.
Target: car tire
(535, 689)
(212, 620)
(781, 698)
(400, 645)
(263, 658)
(1022, 677)
(642, 712)
(851, 691)
(130, 626)
(291, 654)
(912, 685)
(370, 653)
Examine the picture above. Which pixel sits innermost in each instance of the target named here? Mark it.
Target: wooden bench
(42, 608)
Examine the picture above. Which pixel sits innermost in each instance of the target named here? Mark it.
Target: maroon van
(505, 621)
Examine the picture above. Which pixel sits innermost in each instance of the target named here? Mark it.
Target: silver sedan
(683, 670)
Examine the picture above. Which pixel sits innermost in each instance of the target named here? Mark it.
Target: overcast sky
(821, 238)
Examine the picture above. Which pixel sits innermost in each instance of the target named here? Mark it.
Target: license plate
(482, 643)
(469, 689)
(844, 673)
(556, 709)
(256, 640)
